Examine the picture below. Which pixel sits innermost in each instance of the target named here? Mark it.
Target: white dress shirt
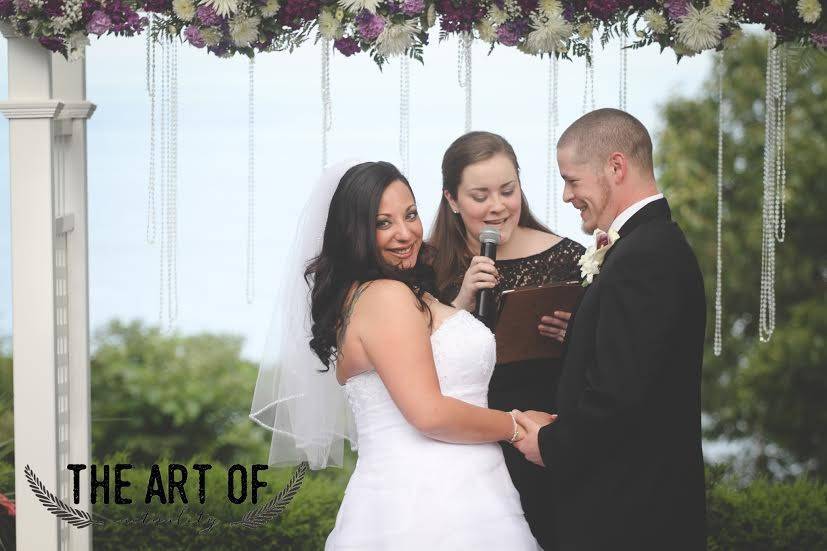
(624, 216)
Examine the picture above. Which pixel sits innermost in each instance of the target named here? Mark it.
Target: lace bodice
(558, 263)
(464, 355)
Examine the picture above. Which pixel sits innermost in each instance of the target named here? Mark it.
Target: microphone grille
(490, 235)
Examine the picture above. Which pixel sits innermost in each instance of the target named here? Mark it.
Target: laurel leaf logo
(271, 510)
(75, 517)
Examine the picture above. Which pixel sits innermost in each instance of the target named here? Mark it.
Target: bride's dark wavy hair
(350, 256)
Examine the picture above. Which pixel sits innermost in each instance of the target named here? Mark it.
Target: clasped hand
(529, 424)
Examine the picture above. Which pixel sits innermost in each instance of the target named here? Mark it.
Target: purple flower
(346, 45)
(157, 6)
(370, 26)
(820, 39)
(99, 23)
(6, 8)
(294, 13)
(460, 17)
(53, 8)
(52, 43)
(207, 15)
(220, 49)
(676, 9)
(413, 7)
(508, 34)
(193, 36)
(603, 9)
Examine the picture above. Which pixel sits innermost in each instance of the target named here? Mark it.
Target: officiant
(481, 188)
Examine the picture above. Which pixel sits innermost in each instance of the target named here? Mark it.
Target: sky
(509, 97)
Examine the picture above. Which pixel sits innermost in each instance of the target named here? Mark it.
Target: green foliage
(766, 515)
(305, 523)
(769, 392)
(155, 395)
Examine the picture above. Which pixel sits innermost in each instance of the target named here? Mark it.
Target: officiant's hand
(529, 445)
(481, 274)
(555, 326)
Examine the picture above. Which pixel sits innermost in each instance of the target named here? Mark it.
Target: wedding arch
(47, 110)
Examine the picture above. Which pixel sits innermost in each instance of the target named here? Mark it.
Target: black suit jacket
(625, 451)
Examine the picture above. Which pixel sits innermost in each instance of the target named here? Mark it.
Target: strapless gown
(410, 492)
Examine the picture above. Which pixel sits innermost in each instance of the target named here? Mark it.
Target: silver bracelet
(516, 429)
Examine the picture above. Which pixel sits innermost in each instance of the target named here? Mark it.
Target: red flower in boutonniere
(592, 259)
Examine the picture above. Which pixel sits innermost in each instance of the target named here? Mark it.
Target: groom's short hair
(598, 134)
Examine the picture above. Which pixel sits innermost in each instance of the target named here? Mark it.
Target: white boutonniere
(592, 259)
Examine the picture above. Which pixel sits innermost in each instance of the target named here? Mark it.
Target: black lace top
(558, 263)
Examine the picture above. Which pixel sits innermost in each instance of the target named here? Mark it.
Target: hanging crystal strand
(781, 145)
(251, 183)
(151, 89)
(588, 85)
(551, 142)
(405, 114)
(717, 345)
(766, 310)
(172, 188)
(164, 180)
(464, 72)
(327, 106)
(624, 61)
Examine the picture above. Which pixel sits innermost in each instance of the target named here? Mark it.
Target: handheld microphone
(489, 239)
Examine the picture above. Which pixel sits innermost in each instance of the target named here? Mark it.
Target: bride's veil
(305, 408)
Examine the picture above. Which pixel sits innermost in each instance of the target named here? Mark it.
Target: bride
(414, 373)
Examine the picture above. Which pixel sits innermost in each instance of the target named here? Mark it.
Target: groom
(624, 454)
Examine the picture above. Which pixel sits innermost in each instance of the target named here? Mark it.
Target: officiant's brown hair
(448, 237)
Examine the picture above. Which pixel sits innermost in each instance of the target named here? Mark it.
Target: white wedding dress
(410, 492)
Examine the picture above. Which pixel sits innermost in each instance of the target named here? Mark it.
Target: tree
(155, 395)
(772, 393)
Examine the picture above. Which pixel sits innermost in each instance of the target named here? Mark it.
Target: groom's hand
(532, 421)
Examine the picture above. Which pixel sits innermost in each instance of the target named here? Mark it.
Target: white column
(50, 336)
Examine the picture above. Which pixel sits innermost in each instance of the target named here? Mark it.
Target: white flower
(486, 31)
(222, 7)
(184, 9)
(700, 29)
(549, 34)
(809, 10)
(585, 30)
(396, 38)
(329, 26)
(497, 16)
(721, 7)
(592, 259)
(270, 8)
(656, 21)
(550, 7)
(244, 30)
(355, 6)
(211, 36)
(76, 45)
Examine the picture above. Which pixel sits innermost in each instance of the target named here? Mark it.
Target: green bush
(304, 524)
(762, 515)
(155, 394)
(765, 515)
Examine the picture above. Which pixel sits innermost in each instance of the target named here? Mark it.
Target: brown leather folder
(519, 315)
